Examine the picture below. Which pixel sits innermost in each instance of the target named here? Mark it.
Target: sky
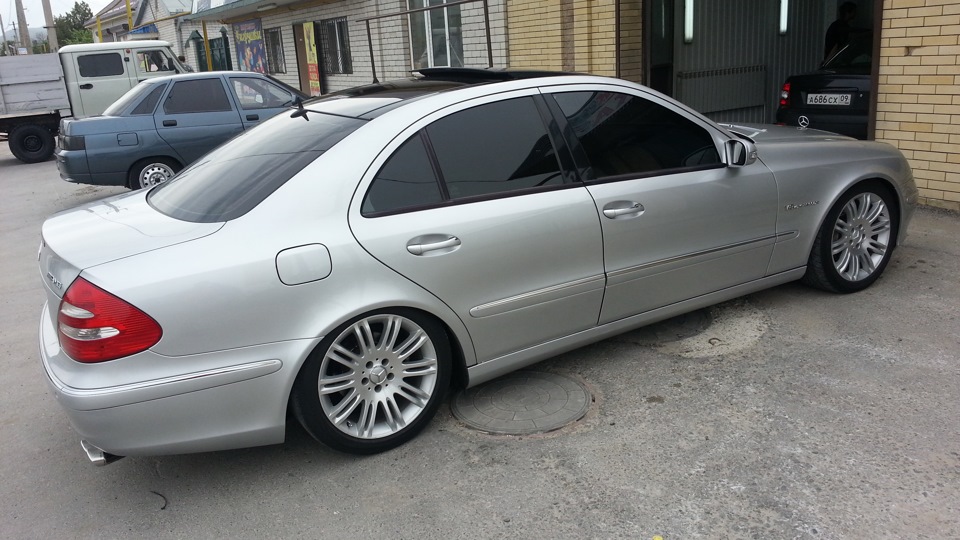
(34, 10)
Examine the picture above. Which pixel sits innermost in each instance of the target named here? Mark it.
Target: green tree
(70, 28)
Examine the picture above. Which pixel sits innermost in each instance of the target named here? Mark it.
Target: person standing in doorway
(838, 34)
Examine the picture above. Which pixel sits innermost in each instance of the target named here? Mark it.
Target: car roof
(114, 45)
(373, 100)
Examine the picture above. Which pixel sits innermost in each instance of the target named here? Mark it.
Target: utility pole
(51, 27)
(3, 36)
(25, 40)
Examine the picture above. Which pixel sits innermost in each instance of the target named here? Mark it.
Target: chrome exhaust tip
(97, 456)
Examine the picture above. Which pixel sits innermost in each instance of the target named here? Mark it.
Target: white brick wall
(391, 46)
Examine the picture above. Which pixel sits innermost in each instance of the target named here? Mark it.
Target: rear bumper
(240, 404)
(73, 167)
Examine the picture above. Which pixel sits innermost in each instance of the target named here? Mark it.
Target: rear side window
(405, 181)
(623, 134)
(100, 65)
(149, 103)
(494, 148)
(199, 95)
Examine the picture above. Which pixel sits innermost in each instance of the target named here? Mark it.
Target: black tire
(31, 143)
(151, 171)
(856, 240)
(402, 372)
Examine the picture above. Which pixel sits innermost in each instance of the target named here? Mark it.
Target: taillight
(96, 326)
(785, 95)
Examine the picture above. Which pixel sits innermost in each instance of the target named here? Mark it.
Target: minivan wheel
(31, 143)
(374, 382)
(152, 171)
(856, 240)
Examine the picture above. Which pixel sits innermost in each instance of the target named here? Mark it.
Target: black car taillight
(75, 142)
(785, 95)
(96, 326)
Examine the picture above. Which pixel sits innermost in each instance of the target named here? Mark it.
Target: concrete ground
(791, 413)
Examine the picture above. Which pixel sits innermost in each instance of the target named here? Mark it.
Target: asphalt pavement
(791, 413)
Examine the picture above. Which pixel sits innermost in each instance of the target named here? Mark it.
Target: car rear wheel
(856, 240)
(152, 171)
(31, 143)
(374, 382)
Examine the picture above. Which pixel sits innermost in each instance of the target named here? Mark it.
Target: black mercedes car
(834, 98)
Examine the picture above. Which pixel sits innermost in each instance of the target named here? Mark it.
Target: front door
(677, 222)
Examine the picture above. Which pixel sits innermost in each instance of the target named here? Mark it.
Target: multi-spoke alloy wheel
(855, 242)
(861, 237)
(374, 382)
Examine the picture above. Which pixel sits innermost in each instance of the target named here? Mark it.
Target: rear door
(677, 222)
(471, 204)
(196, 116)
(101, 78)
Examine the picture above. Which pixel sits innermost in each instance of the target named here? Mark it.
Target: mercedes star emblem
(803, 121)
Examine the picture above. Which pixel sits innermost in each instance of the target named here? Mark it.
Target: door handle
(622, 209)
(437, 243)
(253, 117)
(169, 123)
(86, 86)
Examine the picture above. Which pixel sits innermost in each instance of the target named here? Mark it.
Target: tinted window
(231, 180)
(133, 96)
(405, 181)
(201, 95)
(149, 103)
(494, 148)
(623, 134)
(100, 65)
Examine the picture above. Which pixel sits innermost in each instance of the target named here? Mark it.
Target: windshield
(129, 98)
(238, 175)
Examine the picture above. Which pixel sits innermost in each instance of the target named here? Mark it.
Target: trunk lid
(104, 231)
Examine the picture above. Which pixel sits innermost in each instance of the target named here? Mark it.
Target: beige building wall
(918, 108)
(574, 35)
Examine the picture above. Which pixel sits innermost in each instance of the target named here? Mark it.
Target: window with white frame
(435, 35)
(274, 45)
(335, 45)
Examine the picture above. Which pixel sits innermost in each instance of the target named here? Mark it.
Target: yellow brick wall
(918, 99)
(536, 33)
(533, 31)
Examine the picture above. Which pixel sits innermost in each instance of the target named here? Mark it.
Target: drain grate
(522, 403)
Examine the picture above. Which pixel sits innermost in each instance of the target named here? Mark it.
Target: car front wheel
(374, 382)
(856, 240)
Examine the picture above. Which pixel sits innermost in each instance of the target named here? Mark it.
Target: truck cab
(97, 74)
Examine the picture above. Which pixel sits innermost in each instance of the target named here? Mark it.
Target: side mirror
(740, 153)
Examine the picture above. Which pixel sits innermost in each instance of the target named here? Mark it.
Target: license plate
(841, 100)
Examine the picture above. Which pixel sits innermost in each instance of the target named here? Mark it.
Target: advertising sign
(251, 53)
(313, 66)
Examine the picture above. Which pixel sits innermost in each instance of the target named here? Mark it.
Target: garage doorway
(729, 59)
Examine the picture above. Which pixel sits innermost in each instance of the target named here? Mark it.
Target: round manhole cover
(522, 403)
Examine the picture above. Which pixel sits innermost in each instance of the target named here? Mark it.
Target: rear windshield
(238, 175)
(855, 56)
(132, 96)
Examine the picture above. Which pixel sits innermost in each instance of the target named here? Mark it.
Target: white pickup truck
(37, 90)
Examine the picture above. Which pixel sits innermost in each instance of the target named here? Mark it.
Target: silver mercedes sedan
(351, 260)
